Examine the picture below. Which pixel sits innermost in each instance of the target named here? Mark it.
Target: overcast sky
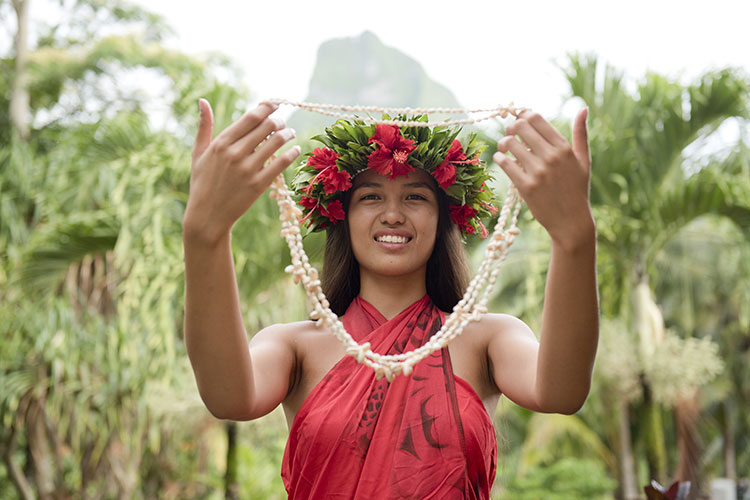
(486, 52)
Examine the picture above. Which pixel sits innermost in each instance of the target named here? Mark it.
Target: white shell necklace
(474, 302)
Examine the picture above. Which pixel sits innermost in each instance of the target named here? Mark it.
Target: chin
(393, 268)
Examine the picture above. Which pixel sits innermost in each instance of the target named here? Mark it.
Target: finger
(247, 144)
(247, 122)
(525, 157)
(278, 164)
(205, 128)
(271, 145)
(581, 138)
(545, 128)
(511, 168)
(522, 128)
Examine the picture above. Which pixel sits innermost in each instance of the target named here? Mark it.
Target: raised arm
(227, 176)
(553, 178)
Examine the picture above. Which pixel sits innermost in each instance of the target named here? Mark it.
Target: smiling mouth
(389, 238)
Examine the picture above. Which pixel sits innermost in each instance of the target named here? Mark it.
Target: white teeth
(389, 238)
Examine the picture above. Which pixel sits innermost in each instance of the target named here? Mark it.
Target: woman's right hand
(228, 172)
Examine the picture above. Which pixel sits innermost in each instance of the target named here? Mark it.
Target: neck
(392, 294)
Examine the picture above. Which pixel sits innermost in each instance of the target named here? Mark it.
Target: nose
(392, 213)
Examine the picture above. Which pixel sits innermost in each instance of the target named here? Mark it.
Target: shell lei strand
(347, 112)
(470, 308)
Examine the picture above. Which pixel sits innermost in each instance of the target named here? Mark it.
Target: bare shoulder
(498, 327)
(304, 351)
(276, 360)
(288, 333)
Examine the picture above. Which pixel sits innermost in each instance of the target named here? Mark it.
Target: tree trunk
(123, 465)
(41, 451)
(231, 488)
(687, 412)
(19, 98)
(628, 479)
(730, 456)
(656, 451)
(17, 476)
(649, 323)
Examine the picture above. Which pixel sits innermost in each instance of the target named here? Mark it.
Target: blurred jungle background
(97, 398)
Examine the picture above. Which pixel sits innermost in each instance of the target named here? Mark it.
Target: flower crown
(353, 146)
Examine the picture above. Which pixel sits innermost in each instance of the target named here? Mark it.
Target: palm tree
(707, 296)
(643, 195)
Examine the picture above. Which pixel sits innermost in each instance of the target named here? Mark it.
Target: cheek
(356, 243)
(433, 237)
(358, 232)
(431, 223)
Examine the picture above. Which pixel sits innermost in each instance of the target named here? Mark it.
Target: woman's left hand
(551, 175)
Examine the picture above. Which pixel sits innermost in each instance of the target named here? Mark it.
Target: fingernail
(278, 122)
(296, 150)
(288, 133)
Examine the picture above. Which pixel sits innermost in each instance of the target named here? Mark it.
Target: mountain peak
(361, 70)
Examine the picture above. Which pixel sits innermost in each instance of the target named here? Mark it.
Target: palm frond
(611, 129)
(671, 117)
(66, 242)
(551, 436)
(709, 192)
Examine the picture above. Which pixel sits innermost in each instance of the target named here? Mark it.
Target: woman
(429, 434)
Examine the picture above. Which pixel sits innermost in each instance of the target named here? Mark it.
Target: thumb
(581, 138)
(205, 128)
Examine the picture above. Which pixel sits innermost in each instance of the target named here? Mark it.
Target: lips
(392, 238)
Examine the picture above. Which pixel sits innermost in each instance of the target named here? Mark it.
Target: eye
(415, 196)
(369, 196)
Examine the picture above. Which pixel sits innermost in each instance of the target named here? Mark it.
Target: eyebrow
(419, 184)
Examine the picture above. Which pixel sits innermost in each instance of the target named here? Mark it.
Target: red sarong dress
(427, 435)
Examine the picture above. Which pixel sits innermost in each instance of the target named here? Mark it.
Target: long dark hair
(447, 269)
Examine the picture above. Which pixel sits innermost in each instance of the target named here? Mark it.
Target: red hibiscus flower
(335, 180)
(334, 211)
(324, 159)
(392, 151)
(460, 215)
(308, 203)
(445, 173)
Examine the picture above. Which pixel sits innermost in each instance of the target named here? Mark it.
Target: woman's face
(392, 223)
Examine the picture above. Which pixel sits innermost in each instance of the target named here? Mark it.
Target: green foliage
(651, 186)
(260, 458)
(562, 480)
(650, 182)
(679, 367)
(638, 143)
(91, 263)
(551, 437)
